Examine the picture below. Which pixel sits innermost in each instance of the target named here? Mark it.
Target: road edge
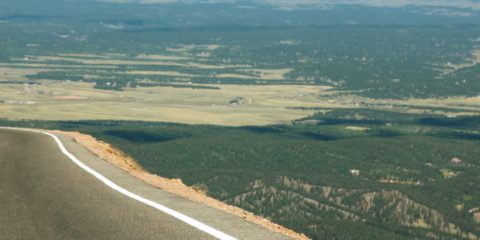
(184, 218)
(121, 160)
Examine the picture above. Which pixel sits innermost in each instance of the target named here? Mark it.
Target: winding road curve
(52, 188)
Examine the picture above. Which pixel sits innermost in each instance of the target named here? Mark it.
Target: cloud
(168, 1)
(446, 12)
(465, 4)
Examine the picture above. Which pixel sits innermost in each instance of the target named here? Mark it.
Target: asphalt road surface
(44, 195)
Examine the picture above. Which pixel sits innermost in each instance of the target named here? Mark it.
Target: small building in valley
(355, 172)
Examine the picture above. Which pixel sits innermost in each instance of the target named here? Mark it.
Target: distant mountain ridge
(181, 13)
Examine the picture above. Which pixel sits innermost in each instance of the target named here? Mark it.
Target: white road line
(184, 218)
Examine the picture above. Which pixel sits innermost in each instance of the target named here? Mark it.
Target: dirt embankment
(106, 152)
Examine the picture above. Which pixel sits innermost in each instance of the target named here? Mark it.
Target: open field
(231, 105)
(15, 74)
(221, 104)
(56, 97)
(75, 101)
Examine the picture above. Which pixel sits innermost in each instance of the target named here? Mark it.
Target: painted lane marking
(182, 217)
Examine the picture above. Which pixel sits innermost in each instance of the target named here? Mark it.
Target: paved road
(44, 195)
